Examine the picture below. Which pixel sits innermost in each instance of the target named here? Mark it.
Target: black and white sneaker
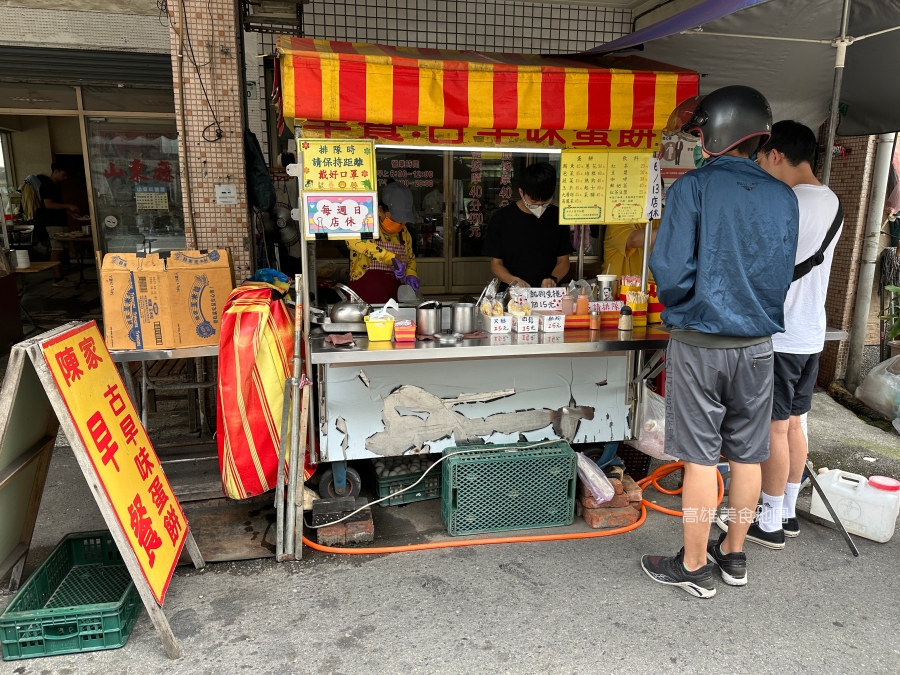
(773, 540)
(733, 566)
(671, 571)
(791, 527)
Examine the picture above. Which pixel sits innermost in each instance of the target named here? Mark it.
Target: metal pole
(583, 231)
(290, 545)
(875, 211)
(840, 45)
(645, 262)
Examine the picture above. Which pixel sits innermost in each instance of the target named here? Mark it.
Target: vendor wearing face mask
(379, 266)
(524, 240)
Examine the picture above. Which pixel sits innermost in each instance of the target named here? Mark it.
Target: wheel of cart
(331, 479)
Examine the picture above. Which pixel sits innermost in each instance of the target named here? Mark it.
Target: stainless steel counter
(568, 343)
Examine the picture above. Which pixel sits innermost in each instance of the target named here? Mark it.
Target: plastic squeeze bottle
(582, 305)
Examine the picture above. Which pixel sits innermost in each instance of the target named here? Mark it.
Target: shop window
(7, 180)
(484, 182)
(423, 173)
(136, 184)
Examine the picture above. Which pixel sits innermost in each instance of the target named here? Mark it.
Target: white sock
(791, 490)
(770, 518)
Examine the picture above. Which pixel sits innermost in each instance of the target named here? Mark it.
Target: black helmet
(724, 118)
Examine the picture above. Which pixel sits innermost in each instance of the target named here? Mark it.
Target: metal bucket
(428, 318)
(463, 318)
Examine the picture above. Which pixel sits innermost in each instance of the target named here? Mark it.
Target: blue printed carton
(166, 300)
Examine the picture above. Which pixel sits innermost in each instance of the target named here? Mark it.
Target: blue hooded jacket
(724, 255)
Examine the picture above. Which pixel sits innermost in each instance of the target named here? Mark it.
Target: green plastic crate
(80, 599)
(498, 488)
(430, 488)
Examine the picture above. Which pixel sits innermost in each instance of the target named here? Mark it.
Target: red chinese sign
(120, 451)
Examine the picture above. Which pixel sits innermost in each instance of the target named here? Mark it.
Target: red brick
(615, 503)
(635, 494)
(615, 482)
(602, 519)
(361, 531)
(332, 535)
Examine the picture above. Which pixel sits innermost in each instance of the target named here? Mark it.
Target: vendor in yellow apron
(379, 266)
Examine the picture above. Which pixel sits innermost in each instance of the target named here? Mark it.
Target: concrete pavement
(558, 607)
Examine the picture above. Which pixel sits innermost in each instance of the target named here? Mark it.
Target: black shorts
(795, 379)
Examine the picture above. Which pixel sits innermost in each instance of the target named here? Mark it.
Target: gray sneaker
(670, 571)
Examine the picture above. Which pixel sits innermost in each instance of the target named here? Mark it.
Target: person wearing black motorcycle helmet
(723, 263)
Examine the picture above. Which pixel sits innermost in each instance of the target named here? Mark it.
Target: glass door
(483, 182)
(136, 184)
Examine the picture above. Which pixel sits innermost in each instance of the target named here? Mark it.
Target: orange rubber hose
(652, 479)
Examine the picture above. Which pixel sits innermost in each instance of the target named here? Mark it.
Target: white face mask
(536, 209)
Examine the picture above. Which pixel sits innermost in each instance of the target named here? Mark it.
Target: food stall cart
(376, 399)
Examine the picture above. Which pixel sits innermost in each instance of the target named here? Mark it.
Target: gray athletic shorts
(718, 401)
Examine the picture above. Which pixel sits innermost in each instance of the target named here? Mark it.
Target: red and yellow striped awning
(379, 84)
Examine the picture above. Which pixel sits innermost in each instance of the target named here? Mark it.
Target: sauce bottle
(595, 321)
(582, 305)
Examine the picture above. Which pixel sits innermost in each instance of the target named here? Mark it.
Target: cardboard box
(164, 301)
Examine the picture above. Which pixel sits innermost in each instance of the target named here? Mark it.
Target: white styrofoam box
(525, 324)
(496, 324)
(533, 338)
(553, 323)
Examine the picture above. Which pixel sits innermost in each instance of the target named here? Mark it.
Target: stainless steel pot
(463, 318)
(428, 318)
(350, 310)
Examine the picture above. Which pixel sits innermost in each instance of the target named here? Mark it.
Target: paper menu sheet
(582, 188)
(603, 187)
(626, 193)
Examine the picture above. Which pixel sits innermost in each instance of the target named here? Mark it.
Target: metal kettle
(350, 310)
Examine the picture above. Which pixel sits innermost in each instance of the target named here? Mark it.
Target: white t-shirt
(804, 308)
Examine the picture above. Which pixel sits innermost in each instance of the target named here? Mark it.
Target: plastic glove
(398, 268)
(413, 282)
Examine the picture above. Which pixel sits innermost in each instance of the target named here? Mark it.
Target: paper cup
(606, 287)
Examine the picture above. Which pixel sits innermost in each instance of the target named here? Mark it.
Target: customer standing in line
(723, 262)
(788, 156)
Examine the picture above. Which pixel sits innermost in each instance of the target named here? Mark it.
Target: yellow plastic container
(380, 330)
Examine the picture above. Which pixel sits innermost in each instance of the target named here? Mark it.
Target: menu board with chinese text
(603, 187)
(338, 165)
(582, 188)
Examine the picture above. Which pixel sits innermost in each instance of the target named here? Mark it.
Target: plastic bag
(594, 479)
(881, 388)
(491, 301)
(651, 438)
(519, 300)
(382, 312)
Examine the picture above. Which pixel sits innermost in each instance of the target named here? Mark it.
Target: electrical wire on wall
(212, 132)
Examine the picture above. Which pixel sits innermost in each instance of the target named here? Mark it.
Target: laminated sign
(119, 450)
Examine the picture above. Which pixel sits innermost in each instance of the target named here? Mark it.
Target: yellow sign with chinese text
(627, 185)
(338, 165)
(597, 187)
(582, 187)
(468, 138)
(120, 451)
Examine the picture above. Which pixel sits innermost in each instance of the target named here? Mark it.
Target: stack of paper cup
(22, 259)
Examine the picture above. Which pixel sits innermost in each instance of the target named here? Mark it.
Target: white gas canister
(868, 507)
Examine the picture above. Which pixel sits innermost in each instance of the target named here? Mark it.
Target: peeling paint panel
(431, 406)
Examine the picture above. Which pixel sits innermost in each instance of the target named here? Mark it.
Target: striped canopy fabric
(380, 84)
